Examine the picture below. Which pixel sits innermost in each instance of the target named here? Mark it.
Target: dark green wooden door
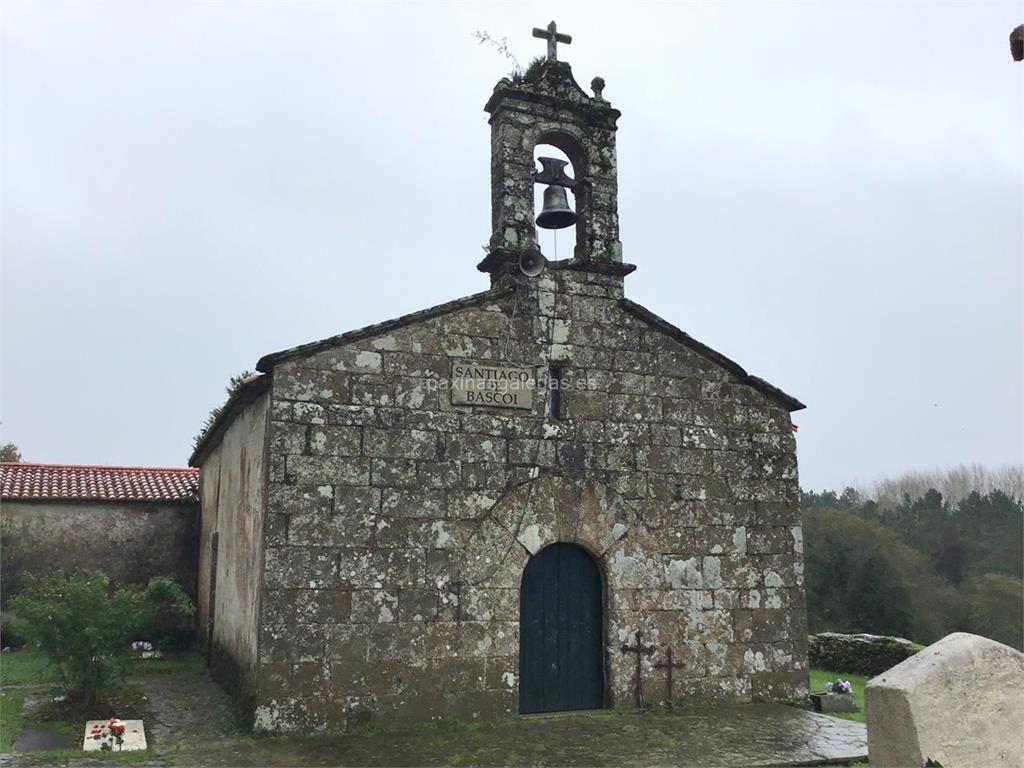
(561, 650)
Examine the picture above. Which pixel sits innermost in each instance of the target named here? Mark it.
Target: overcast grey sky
(831, 194)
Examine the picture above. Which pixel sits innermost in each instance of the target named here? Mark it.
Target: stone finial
(597, 84)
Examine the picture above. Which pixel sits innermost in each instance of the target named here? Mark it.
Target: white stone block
(133, 739)
(958, 702)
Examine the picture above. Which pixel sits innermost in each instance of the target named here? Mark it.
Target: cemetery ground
(191, 721)
(819, 677)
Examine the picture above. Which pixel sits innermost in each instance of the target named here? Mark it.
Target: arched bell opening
(556, 207)
(561, 631)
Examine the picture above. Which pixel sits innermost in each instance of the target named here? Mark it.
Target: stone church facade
(367, 534)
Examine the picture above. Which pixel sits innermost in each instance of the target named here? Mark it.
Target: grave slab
(134, 736)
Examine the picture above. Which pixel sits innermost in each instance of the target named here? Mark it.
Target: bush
(85, 625)
(13, 631)
(164, 626)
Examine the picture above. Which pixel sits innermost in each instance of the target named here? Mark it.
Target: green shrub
(85, 625)
(13, 631)
(163, 625)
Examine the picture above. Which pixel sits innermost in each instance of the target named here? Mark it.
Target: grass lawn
(27, 666)
(10, 717)
(820, 676)
(64, 756)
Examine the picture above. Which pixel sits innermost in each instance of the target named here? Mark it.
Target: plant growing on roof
(232, 389)
(483, 36)
(534, 69)
(519, 74)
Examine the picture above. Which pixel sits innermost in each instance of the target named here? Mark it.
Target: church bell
(556, 213)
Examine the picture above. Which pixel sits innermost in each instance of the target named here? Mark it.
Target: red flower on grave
(115, 726)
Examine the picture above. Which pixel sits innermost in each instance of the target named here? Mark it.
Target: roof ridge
(786, 400)
(117, 467)
(266, 363)
(95, 482)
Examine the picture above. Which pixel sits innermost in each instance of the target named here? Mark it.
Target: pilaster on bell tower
(547, 106)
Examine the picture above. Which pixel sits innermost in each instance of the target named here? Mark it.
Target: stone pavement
(192, 724)
(188, 708)
(753, 735)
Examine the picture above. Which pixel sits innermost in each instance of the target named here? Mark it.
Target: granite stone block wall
(397, 525)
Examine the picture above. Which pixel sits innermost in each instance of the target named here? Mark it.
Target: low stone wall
(867, 655)
(129, 541)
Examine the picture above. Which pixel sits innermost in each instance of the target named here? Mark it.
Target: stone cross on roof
(552, 35)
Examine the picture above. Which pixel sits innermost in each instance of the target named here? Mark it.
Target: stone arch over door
(549, 509)
(569, 510)
(561, 631)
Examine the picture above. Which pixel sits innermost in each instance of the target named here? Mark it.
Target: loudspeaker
(532, 263)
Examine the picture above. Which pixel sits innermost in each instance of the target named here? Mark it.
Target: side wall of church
(233, 493)
(398, 524)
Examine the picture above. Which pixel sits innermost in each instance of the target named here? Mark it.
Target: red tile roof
(70, 482)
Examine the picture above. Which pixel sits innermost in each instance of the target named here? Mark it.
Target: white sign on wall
(495, 386)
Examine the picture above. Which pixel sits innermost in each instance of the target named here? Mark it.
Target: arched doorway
(561, 647)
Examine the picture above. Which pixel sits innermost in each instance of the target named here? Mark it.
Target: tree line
(954, 483)
(919, 567)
